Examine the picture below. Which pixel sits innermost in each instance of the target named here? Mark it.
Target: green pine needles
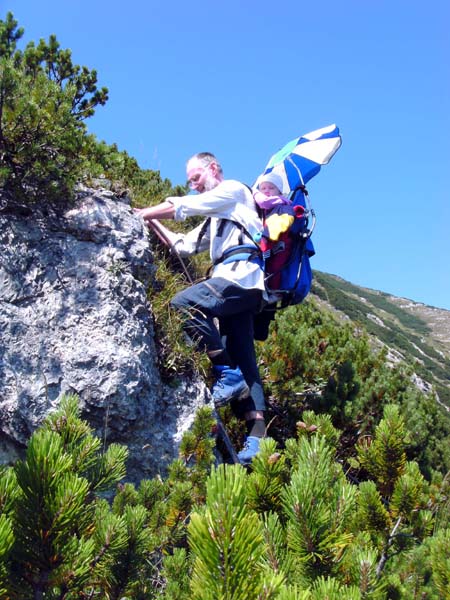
(44, 100)
(227, 541)
(293, 527)
(45, 148)
(349, 497)
(302, 530)
(61, 536)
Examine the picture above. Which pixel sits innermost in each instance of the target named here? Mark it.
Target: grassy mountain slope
(414, 332)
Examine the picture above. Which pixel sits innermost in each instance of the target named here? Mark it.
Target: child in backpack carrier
(278, 216)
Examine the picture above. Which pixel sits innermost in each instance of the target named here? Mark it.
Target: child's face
(269, 189)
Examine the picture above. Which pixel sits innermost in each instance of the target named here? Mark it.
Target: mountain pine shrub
(226, 538)
(311, 361)
(44, 100)
(293, 526)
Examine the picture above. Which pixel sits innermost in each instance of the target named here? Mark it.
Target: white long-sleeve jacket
(228, 203)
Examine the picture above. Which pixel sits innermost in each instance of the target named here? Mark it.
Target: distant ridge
(414, 332)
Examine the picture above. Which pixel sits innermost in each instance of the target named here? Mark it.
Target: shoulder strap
(201, 234)
(222, 224)
(259, 210)
(241, 227)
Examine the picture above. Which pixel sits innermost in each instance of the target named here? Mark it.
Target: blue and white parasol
(299, 160)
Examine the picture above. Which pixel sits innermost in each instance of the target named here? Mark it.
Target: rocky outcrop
(74, 318)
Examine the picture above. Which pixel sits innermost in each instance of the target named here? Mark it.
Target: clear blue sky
(243, 77)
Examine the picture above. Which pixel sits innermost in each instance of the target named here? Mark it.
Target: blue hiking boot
(230, 385)
(250, 450)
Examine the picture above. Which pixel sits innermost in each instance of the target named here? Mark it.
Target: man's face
(201, 178)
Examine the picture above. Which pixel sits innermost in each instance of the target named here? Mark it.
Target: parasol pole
(308, 202)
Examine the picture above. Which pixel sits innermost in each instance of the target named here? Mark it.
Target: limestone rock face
(74, 318)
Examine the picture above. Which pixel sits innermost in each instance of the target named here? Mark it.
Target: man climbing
(233, 293)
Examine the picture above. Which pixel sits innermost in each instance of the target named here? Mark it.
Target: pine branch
(389, 542)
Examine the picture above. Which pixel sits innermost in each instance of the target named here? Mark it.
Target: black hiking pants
(234, 307)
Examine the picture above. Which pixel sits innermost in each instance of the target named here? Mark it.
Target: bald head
(203, 159)
(203, 171)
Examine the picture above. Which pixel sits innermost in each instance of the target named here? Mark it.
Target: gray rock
(74, 318)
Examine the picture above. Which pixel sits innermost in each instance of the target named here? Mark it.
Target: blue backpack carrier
(290, 264)
(295, 274)
(294, 277)
(286, 263)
